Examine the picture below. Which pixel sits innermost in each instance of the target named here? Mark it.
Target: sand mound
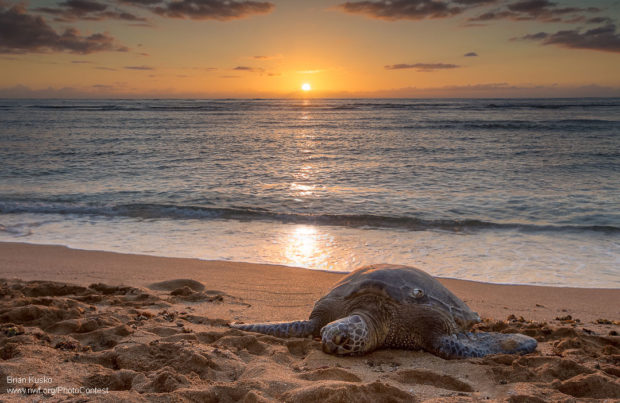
(185, 290)
(172, 285)
(334, 392)
(424, 377)
(130, 344)
(335, 374)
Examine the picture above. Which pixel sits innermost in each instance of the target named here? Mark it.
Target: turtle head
(345, 336)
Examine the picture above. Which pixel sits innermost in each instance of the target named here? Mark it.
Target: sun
(306, 87)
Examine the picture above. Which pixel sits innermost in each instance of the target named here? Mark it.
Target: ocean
(517, 191)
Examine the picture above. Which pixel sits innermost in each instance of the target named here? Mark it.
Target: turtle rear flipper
(300, 328)
(465, 345)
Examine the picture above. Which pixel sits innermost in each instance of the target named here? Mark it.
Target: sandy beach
(104, 326)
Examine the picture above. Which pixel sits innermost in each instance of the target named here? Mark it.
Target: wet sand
(82, 324)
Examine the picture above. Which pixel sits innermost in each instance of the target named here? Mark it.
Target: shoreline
(259, 282)
(339, 272)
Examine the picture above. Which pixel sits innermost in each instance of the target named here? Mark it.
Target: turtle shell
(404, 285)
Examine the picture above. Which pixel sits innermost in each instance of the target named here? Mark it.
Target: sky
(234, 48)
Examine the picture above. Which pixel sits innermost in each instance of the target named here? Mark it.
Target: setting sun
(306, 87)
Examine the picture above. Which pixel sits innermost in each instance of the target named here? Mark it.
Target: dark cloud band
(541, 10)
(605, 38)
(401, 9)
(23, 33)
(410, 9)
(97, 10)
(221, 10)
(90, 10)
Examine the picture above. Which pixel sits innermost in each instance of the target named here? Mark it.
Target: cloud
(23, 33)
(401, 9)
(410, 9)
(600, 20)
(140, 2)
(266, 57)
(422, 67)
(475, 2)
(603, 38)
(541, 10)
(91, 10)
(221, 10)
(471, 54)
(249, 69)
(83, 6)
(139, 68)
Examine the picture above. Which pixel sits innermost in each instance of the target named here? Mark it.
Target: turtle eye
(417, 293)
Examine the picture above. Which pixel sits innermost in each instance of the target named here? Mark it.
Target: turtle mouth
(334, 339)
(337, 344)
(330, 347)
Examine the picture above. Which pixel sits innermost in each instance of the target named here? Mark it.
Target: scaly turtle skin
(389, 306)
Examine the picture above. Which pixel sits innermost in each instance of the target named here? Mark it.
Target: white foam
(496, 256)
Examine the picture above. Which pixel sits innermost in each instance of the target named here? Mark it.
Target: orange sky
(213, 48)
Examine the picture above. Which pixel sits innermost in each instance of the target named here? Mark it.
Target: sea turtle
(395, 307)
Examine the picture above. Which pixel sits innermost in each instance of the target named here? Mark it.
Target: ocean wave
(552, 105)
(166, 211)
(134, 107)
(567, 124)
(16, 230)
(229, 105)
(512, 125)
(87, 107)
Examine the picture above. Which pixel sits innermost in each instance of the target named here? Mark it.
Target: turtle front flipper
(300, 328)
(466, 345)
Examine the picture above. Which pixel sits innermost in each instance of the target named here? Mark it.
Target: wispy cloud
(315, 71)
(249, 69)
(541, 10)
(139, 68)
(470, 54)
(410, 9)
(605, 39)
(90, 10)
(221, 10)
(422, 67)
(23, 33)
(266, 57)
(141, 2)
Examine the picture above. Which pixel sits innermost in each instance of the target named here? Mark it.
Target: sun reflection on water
(302, 247)
(302, 190)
